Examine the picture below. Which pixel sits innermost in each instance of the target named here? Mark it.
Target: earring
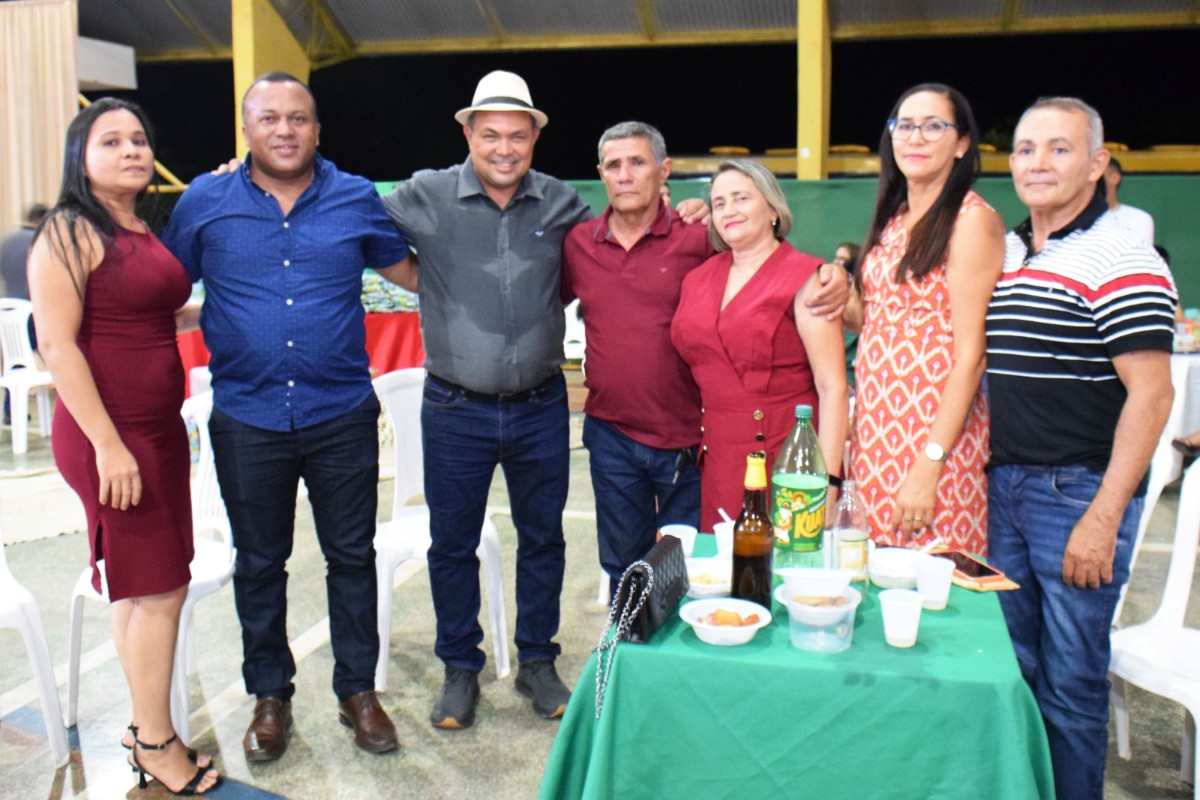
(775, 222)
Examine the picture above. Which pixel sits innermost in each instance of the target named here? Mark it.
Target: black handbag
(647, 594)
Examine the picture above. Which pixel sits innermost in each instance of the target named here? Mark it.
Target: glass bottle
(799, 484)
(849, 531)
(753, 537)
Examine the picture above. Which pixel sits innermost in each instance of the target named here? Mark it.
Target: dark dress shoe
(373, 731)
(267, 737)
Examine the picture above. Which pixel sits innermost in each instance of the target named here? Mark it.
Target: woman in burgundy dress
(105, 293)
(754, 349)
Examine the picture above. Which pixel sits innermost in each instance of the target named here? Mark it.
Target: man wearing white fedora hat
(489, 233)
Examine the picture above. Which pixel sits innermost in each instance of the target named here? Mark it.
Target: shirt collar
(469, 183)
(1094, 210)
(320, 168)
(661, 226)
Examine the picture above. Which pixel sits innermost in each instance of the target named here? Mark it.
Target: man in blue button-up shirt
(281, 245)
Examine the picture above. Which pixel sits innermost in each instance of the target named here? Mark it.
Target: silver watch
(935, 452)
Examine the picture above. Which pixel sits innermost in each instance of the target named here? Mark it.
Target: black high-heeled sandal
(187, 791)
(192, 755)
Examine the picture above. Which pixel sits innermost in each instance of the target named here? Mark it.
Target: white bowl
(815, 582)
(709, 577)
(819, 616)
(725, 635)
(893, 567)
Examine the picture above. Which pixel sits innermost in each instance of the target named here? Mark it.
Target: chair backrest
(400, 392)
(208, 509)
(1183, 553)
(15, 349)
(574, 337)
(1162, 467)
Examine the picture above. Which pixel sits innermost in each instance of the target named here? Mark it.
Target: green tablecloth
(948, 718)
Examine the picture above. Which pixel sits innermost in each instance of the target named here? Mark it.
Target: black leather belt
(480, 397)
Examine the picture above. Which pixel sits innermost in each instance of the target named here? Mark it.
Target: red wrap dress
(750, 365)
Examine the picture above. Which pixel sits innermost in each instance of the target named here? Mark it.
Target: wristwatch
(935, 452)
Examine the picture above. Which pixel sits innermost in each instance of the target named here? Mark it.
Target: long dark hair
(76, 204)
(930, 238)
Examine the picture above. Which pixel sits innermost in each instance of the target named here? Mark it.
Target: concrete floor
(502, 756)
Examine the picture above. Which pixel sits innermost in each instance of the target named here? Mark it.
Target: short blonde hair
(767, 185)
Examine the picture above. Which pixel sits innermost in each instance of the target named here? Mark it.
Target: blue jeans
(259, 472)
(636, 494)
(1060, 633)
(464, 439)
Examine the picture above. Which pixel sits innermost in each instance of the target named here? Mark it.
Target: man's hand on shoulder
(693, 210)
(830, 298)
(229, 166)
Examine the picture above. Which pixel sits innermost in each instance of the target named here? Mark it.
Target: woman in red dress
(920, 439)
(754, 349)
(105, 294)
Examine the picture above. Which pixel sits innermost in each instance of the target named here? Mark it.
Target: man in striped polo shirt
(1079, 339)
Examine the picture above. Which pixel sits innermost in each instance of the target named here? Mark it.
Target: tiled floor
(502, 756)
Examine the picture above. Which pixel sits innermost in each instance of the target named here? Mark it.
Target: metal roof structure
(335, 30)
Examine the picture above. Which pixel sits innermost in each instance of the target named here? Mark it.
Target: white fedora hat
(502, 91)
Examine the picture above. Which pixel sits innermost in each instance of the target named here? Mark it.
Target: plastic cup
(724, 532)
(686, 535)
(933, 581)
(901, 616)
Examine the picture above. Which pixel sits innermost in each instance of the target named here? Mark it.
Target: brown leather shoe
(373, 731)
(267, 737)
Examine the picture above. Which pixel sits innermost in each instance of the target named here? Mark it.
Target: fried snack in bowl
(709, 577)
(737, 620)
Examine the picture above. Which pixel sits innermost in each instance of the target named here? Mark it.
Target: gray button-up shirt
(491, 315)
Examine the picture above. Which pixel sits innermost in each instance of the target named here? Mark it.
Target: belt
(480, 397)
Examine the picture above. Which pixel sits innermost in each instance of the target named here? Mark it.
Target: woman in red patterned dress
(933, 255)
(105, 293)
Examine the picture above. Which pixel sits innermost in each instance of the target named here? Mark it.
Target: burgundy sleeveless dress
(750, 365)
(127, 335)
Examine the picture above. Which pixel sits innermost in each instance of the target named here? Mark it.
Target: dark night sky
(386, 117)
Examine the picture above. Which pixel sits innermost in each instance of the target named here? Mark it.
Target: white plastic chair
(211, 567)
(406, 535)
(19, 372)
(19, 610)
(1162, 472)
(574, 340)
(1161, 655)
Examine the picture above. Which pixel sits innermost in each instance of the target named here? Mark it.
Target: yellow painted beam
(648, 19)
(993, 26)
(262, 43)
(813, 67)
(210, 44)
(339, 45)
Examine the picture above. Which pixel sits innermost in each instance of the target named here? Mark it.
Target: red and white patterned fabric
(905, 355)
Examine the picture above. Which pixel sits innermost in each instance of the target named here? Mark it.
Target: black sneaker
(538, 680)
(455, 705)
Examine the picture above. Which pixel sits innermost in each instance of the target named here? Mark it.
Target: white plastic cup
(933, 581)
(901, 616)
(724, 532)
(686, 535)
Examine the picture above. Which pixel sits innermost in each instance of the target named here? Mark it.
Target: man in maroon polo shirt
(642, 425)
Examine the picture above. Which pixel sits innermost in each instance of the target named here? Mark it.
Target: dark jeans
(1060, 633)
(464, 439)
(636, 494)
(259, 472)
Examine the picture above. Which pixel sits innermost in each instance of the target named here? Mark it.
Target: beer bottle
(800, 483)
(753, 537)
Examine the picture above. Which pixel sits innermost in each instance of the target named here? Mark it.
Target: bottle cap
(756, 471)
(803, 412)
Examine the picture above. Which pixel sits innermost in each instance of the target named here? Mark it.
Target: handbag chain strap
(611, 637)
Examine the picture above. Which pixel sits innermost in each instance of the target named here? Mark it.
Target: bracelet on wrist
(835, 481)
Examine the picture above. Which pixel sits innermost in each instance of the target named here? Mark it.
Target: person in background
(933, 253)
(1078, 360)
(846, 257)
(106, 293)
(753, 347)
(14, 251)
(281, 245)
(1136, 221)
